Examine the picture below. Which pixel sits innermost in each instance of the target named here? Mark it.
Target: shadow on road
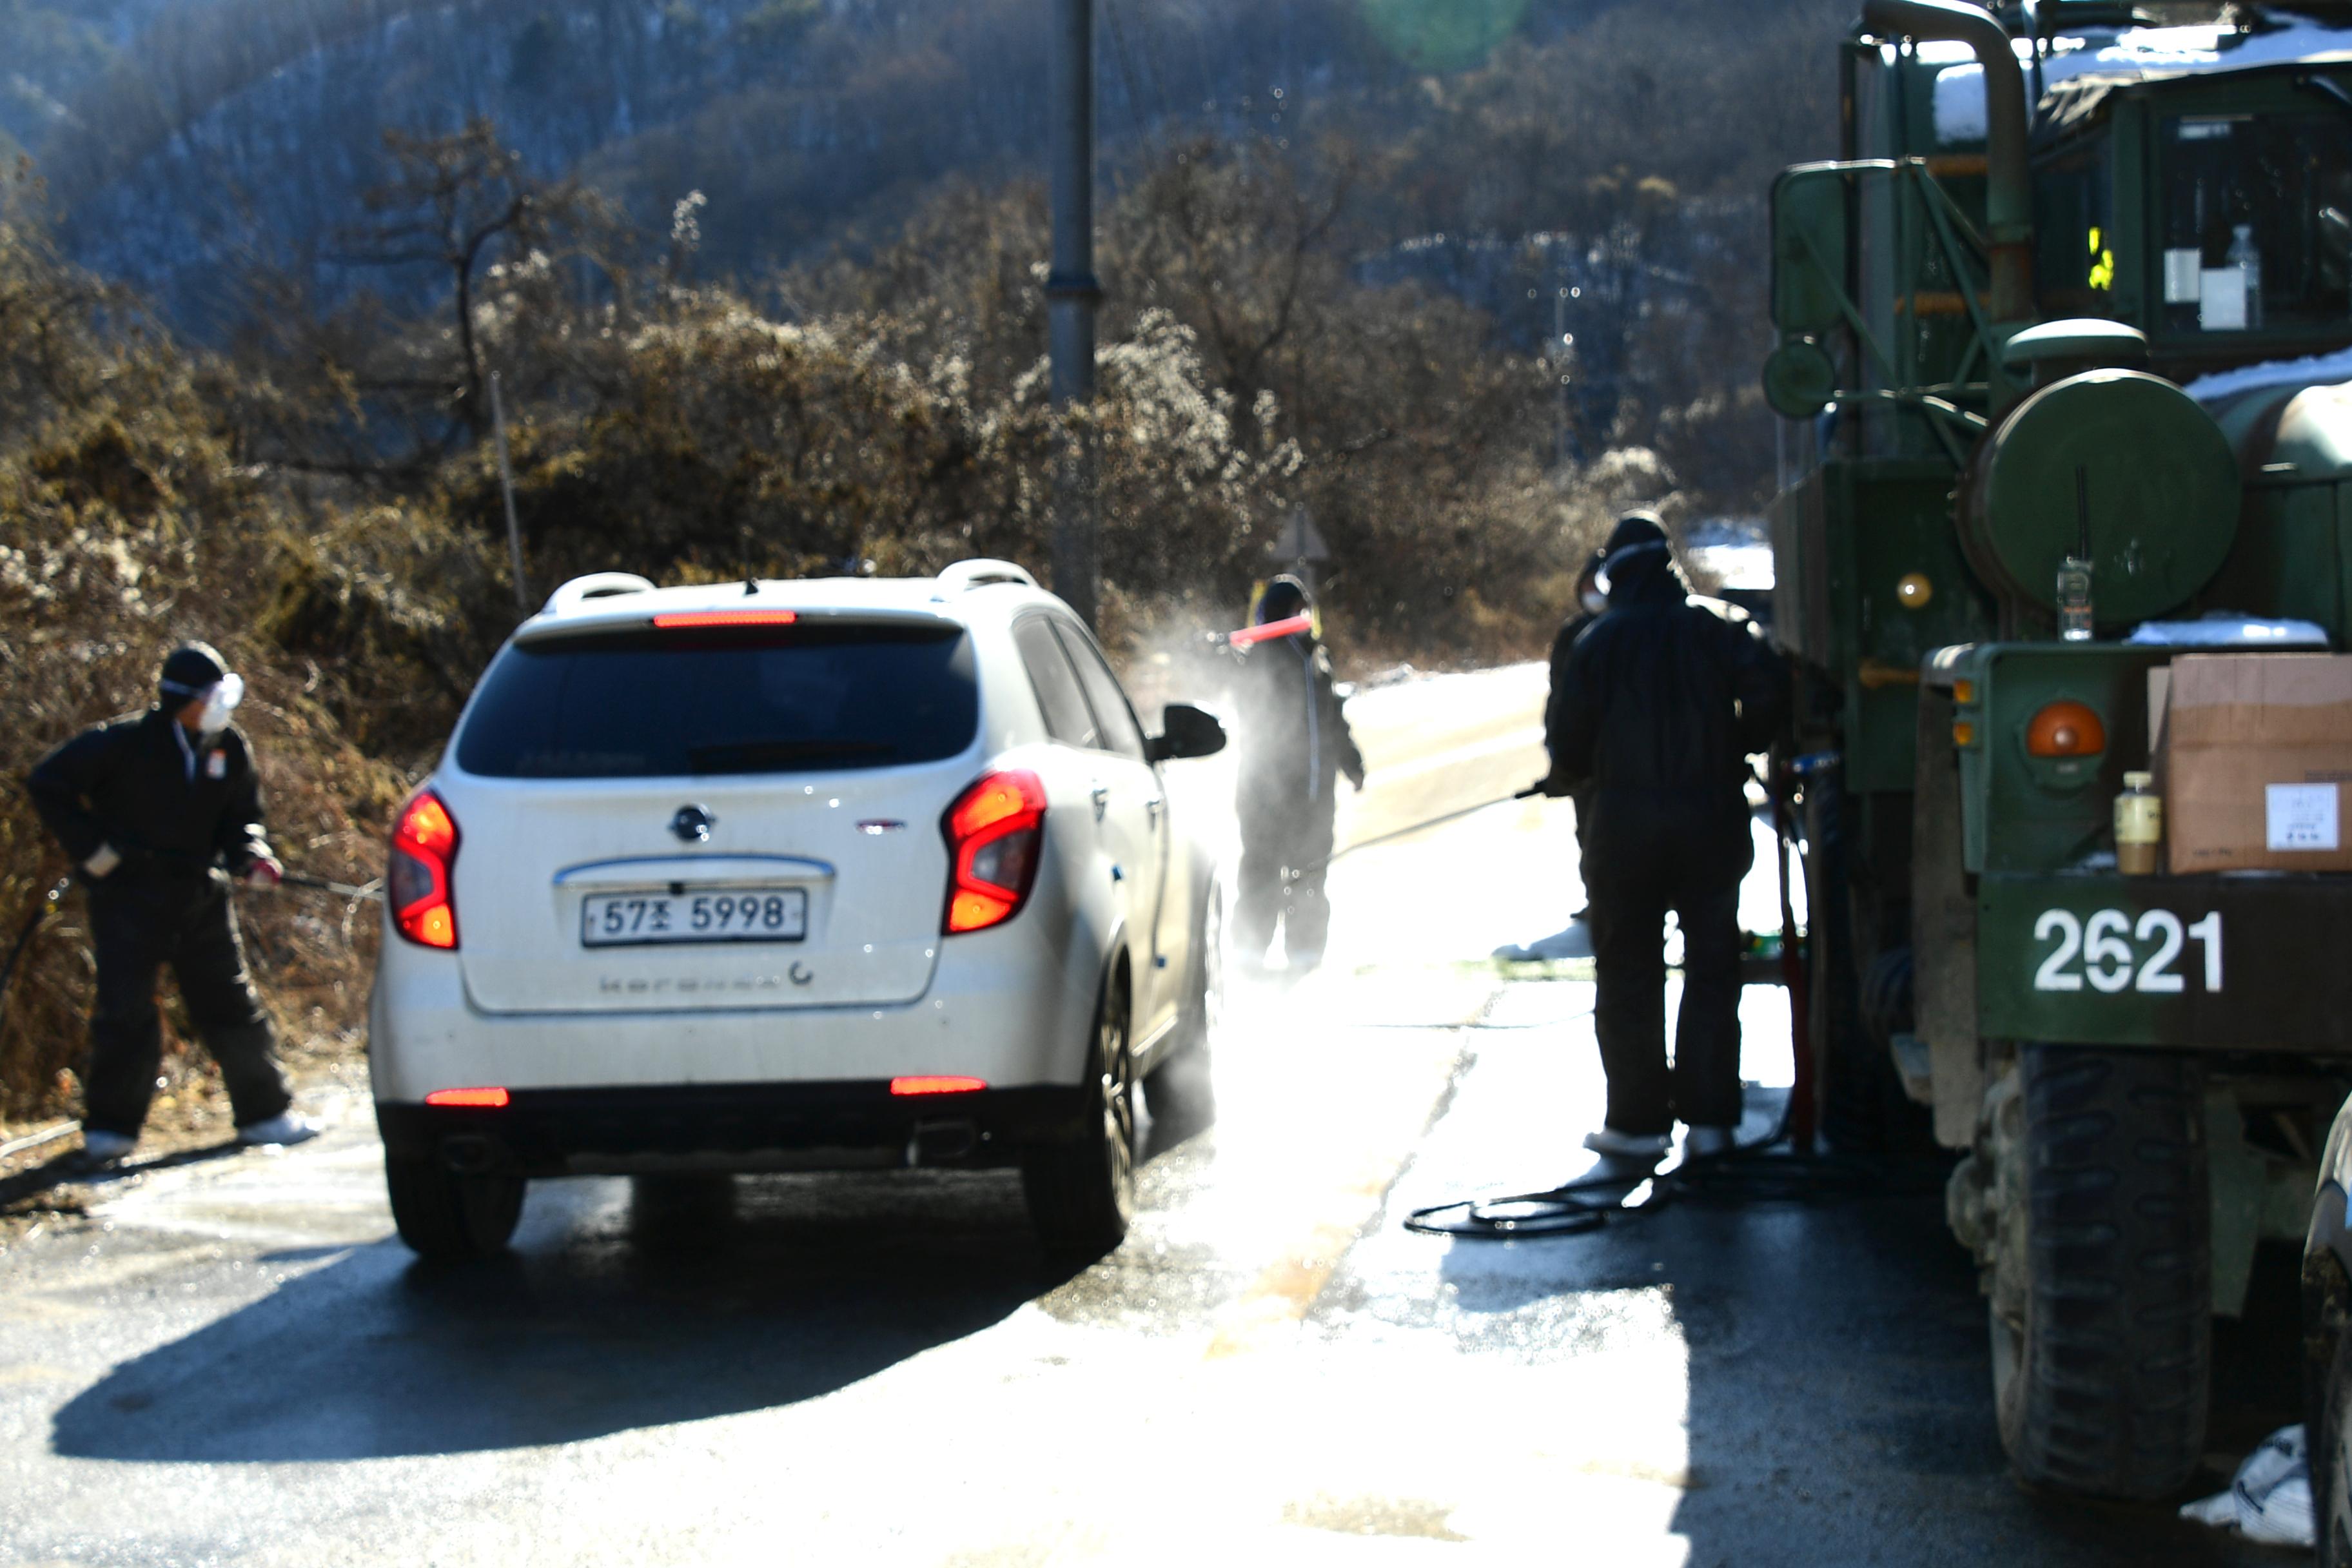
(606, 1317)
(72, 1169)
(1841, 1401)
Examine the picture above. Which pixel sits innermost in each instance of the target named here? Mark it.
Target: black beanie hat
(1284, 597)
(191, 668)
(1634, 529)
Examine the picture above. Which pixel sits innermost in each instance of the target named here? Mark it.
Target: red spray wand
(1288, 627)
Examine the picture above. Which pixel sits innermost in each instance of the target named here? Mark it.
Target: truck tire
(2331, 1463)
(2102, 1314)
(446, 1217)
(1862, 1104)
(1081, 1194)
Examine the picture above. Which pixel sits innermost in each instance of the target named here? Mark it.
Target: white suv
(788, 876)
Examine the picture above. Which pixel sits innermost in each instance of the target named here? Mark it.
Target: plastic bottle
(2139, 825)
(2249, 262)
(2075, 599)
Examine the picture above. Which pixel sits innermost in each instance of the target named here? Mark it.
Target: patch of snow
(2134, 54)
(2312, 370)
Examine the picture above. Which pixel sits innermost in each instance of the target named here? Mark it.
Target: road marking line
(1286, 1290)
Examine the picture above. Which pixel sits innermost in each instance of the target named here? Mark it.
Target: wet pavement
(232, 1361)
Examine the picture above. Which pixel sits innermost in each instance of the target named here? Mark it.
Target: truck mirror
(1800, 379)
(1808, 249)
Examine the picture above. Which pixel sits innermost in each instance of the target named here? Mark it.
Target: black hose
(1533, 789)
(1750, 1172)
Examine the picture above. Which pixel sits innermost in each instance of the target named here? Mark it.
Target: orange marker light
(679, 620)
(2065, 728)
(474, 1098)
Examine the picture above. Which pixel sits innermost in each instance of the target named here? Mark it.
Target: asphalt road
(232, 1362)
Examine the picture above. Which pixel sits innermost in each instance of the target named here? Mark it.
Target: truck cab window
(2075, 261)
(2257, 223)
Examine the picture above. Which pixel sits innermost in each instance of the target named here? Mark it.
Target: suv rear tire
(447, 1217)
(2101, 1377)
(1081, 1194)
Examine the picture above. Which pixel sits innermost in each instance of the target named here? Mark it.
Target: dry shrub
(129, 529)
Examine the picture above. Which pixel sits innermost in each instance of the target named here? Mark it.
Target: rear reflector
(679, 620)
(936, 1083)
(478, 1099)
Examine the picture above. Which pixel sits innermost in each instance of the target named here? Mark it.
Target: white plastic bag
(2269, 1499)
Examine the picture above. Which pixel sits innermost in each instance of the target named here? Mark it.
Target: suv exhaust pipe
(941, 1142)
(469, 1154)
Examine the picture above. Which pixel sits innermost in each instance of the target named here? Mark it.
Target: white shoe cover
(106, 1148)
(288, 1127)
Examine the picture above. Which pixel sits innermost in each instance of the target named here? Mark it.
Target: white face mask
(220, 704)
(1594, 601)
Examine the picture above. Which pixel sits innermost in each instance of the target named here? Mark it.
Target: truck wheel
(1861, 1103)
(2102, 1307)
(2331, 1463)
(1081, 1194)
(1179, 1090)
(447, 1217)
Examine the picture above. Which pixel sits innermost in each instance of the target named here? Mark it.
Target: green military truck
(2081, 287)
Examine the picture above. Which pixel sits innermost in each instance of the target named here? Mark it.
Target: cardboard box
(2253, 754)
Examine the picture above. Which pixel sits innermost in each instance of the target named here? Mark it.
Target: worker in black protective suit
(1660, 702)
(158, 810)
(1591, 601)
(1294, 746)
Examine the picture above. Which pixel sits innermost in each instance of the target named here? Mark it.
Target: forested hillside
(759, 281)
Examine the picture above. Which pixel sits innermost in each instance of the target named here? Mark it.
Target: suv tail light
(424, 849)
(996, 835)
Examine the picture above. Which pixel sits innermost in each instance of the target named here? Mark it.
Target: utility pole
(1072, 294)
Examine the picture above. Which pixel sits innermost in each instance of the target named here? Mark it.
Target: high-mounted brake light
(937, 1083)
(996, 833)
(417, 883)
(2065, 728)
(476, 1098)
(681, 620)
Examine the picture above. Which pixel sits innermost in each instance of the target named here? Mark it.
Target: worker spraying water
(1294, 745)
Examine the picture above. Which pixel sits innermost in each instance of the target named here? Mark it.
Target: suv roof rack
(965, 576)
(596, 585)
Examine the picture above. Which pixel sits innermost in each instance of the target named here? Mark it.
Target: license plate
(738, 914)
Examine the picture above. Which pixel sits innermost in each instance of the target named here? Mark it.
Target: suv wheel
(448, 1217)
(2102, 1310)
(1081, 1194)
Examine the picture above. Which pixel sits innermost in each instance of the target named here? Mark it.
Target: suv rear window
(769, 699)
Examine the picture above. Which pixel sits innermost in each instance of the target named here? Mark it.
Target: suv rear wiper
(762, 756)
